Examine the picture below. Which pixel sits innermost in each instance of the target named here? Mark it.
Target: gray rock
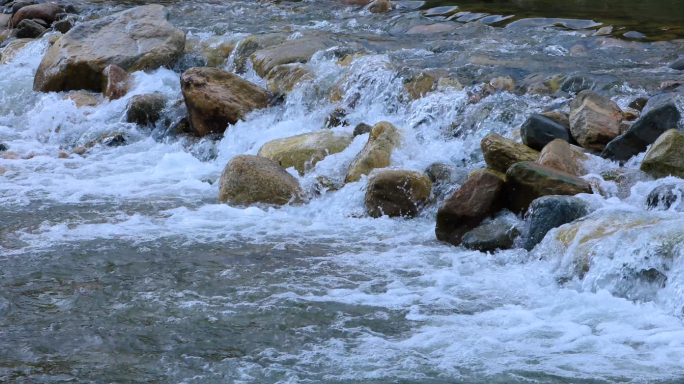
(362, 128)
(678, 64)
(538, 131)
(4, 147)
(550, 212)
(29, 29)
(664, 196)
(499, 233)
(63, 26)
(145, 109)
(445, 178)
(627, 180)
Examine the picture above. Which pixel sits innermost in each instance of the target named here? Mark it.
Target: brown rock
(383, 138)
(380, 6)
(5, 20)
(397, 193)
(63, 155)
(420, 85)
(115, 82)
(628, 115)
(594, 120)
(560, 155)
(481, 196)
(291, 51)
(559, 117)
(500, 153)
(47, 12)
(303, 151)
(82, 99)
(504, 83)
(283, 78)
(215, 98)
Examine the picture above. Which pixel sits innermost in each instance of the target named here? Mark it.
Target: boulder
(137, 39)
(291, 51)
(383, 138)
(658, 119)
(500, 153)
(63, 26)
(549, 212)
(251, 44)
(380, 6)
(397, 193)
(303, 151)
(361, 129)
(538, 131)
(46, 11)
(527, 181)
(215, 98)
(678, 64)
(481, 196)
(559, 117)
(561, 155)
(664, 158)
(12, 49)
(29, 29)
(115, 82)
(82, 99)
(594, 120)
(145, 109)
(282, 79)
(248, 180)
(664, 196)
(500, 233)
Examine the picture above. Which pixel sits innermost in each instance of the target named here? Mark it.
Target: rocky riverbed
(381, 192)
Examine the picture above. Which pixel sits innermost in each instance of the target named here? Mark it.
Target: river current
(120, 267)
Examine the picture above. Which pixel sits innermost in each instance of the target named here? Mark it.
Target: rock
(625, 126)
(664, 158)
(503, 84)
(12, 49)
(4, 147)
(145, 109)
(638, 104)
(527, 181)
(303, 151)
(678, 64)
(82, 99)
(559, 117)
(62, 155)
(628, 115)
(500, 153)
(450, 82)
(282, 79)
(248, 180)
(336, 118)
(397, 193)
(46, 11)
(442, 173)
(79, 151)
(604, 31)
(362, 128)
(500, 233)
(214, 50)
(70, 8)
(115, 140)
(644, 132)
(432, 28)
(627, 179)
(538, 131)
(5, 20)
(215, 98)
(63, 26)
(549, 212)
(291, 51)
(115, 82)
(251, 44)
(420, 85)
(41, 23)
(137, 39)
(594, 120)
(560, 155)
(481, 196)
(380, 6)
(383, 138)
(664, 196)
(29, 29)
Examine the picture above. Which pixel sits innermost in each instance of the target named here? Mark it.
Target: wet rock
(383, 138)
(442, 173)
(594, 120)
(638, 104)
(628, 115)
(379, 6)
(29, 29)
(5, 20)
(644, 132)
(282, 79)
(46, 11)
(214, 50)
(215, 98)
(115, 82)
(500, 233)
(63, 26)
(41, 23)
(627, 179)
(604, 31)
(397, 193)
(115, 140)
(549, 212)
(251, 44)
(527, 181)
(678, 64)
(248, 180)
(72, 9)
(538, 131)
(664, 158)
(303, 151)
(337, 118)
(145, 109)
(291, 51)
(12, 49)
(500, 153)
(362, 128)
(82, 99)
(420, 85)
(504, 83)
(481, 196)
(140, 38)
(4, 147)
(432, 28)
(664, 196)
(559, 117)
(560, 155)
(450, 82)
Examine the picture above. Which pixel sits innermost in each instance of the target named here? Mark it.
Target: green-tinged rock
(397, 193)
(145, 109)
(500, 153)
(282, 79)
(383, 138)
(303, 151)
(291, 51)
(664, 158)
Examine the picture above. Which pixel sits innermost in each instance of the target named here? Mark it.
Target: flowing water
(120, 267)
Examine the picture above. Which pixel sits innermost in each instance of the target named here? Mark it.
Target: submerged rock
(481, 196)
(303, 151)
(82, 99)
(336, 118)
(500, 153)
(551, 212)
(46, 11)
(538, 131)
(216, 98)
(362, 128)
(664, 158)
(627, 179)
(383, 138)
(282, 79)
(140, 38)
(115, 82)
(561, 155)
(420, 85)
(397, 193)
(12, 49)
(594, 120)
(500, 233)
(664, 196)
(248, 180)
(527, 181)
(145, 109)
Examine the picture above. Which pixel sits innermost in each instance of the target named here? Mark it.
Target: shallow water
(120, 267)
